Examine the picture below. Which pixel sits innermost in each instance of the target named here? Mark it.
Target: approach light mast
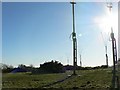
(114, 50)
(106, 55)
(74, 40)
(80, 61)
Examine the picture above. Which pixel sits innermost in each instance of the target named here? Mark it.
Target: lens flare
(106, 22)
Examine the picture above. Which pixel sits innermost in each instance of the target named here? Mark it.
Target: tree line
(47, 67)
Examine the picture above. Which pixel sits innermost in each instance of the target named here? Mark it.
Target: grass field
(26, 80)
(88, 79)
(99, 78)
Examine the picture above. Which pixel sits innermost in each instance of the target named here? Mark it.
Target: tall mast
(74, 41)
(114, 50)
(80, 61)
(106, 55)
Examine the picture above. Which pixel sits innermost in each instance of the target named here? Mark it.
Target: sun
(107, 21)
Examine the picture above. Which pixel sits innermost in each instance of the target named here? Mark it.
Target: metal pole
(67, 61)
(80, 61)
(114, 69)
(114, 50)
(74, 42)
(106, 56)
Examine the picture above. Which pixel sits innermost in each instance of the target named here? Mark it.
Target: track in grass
(57, 82)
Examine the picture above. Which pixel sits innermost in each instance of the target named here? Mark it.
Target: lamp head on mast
(73, 2)
(109, 5)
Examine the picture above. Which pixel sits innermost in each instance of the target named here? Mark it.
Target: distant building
(68, 67)
(17, 70)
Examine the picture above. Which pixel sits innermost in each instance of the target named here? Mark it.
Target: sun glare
(107, 21)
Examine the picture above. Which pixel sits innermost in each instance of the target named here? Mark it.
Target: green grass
(87, 79)
(25, 80)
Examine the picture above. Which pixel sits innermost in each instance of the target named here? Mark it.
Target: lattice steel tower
(74, 41)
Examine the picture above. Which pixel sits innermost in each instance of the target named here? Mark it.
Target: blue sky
(37, 32)
(1, 33)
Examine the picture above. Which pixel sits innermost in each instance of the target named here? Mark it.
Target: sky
(38, 32)
(1, 32)
(60, 0)
(119, 30)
